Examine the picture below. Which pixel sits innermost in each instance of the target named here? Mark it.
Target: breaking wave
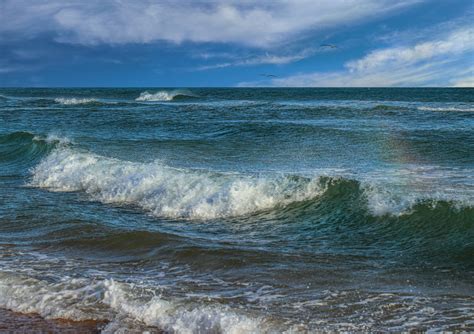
(57, 165)
(170, 192)
(166, 191)
(74, 101)
(119, 304)
(164, 96)
(445, 109)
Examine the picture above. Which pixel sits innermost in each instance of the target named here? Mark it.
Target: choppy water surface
(239, 210)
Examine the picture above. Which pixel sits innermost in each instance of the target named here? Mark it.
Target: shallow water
(239, 210)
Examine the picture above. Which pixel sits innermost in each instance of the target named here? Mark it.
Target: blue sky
(120, 43)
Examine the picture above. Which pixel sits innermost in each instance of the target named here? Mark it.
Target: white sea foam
(81, 299)
(73, 100)
(466, 109)
(397, 191)
(53, 138)
(68, 298)
(166, 191)
(162, 95)
(179, 318)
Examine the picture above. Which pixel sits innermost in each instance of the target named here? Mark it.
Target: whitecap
(461, 109)
(73, 100)
(162, 95)
(169, 192)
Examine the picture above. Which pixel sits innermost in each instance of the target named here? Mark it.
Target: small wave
(163, 96)
(25, 136)
(74, 101)
(171, 317)
(383, 107)
(445, 109)
(119, 303)
(23, 148)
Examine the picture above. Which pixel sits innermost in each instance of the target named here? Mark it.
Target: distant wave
(387, 107)
(445, 109)
(73, 100)
(163, 95)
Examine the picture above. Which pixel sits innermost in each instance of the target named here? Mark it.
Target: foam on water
(73, 100)
(120, 303)
(446, 108)
(166, 191)
(177, 318)
(397, 191)
(162, 95)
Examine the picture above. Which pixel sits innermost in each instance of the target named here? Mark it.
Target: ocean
(238, 210)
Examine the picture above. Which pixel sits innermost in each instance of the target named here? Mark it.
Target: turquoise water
(239, 210)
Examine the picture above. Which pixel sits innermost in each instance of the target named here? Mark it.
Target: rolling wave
(166, 191)
(170, 192)
(164, 96)
(183, 193)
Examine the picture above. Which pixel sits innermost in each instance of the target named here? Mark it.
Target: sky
(236, 43)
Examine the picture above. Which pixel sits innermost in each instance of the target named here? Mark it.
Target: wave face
(24, 149)
(164, 96)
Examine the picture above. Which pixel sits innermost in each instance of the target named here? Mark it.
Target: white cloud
(263, 59)
(457, 42)
(253, 23)
(465, 82)
(446, 61)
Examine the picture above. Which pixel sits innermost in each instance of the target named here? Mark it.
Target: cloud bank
(251, 23)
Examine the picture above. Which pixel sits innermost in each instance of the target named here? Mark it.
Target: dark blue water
(239, 210)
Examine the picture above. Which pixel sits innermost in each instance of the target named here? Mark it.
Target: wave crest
(24, 148)
(163, 95)
(446, 109)
(74, 101)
